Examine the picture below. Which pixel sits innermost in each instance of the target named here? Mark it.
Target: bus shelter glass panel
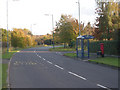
(83, 46)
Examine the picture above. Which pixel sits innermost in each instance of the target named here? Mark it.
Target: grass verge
(70, 54)
(3, 72)
(8, 55)
(62, 49)
(111, 61)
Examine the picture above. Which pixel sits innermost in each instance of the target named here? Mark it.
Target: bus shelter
(82, 46)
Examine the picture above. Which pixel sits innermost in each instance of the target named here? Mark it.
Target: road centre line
(59, 67)
(103, 86)
(43, 59)
(85, 60)
(39, 56)
(77, 75)
(99, 85)
(49, 62)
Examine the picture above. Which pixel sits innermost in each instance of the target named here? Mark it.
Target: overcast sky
(24, 13)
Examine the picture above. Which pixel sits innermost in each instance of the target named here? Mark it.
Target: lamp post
(8, 24)
(7, 27)
(31, 32)
(31, 27)
(79, 14)
(52, 25)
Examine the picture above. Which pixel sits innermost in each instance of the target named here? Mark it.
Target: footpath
(5, 61)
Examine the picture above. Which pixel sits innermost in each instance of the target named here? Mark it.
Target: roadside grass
(112, 61)
(62, 49)
(3, 72)
(0, 75)
(8, 55)
(72, 54)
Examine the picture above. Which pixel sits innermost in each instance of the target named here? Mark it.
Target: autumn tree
(22, 38)
(4, 37)
(108, 19)
(67, 29)
(88, 29)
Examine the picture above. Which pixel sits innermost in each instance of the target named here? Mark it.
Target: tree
(88, 30)
(67, 29)
(18, 38)
(108, 20)
(4, 37)
(22, 38)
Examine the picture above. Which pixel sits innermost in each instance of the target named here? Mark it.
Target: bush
(72, 44)
(110, 47)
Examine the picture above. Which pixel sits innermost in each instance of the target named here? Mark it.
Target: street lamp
(52, 26)
(32, 27)
(31, 32)
(7, 27)
(79, 14)
(7, 24)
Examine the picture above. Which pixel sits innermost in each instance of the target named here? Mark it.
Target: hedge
(110, 47)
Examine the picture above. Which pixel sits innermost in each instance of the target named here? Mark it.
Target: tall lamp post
(7, 28)
(79, 14)
(31, 32)
(82, 40)
(52, 25)
(32, 27)
(7, 24)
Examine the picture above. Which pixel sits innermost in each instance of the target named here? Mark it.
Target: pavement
(5, 61)
(40, 68)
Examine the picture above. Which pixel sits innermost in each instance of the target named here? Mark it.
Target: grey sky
(24, 13)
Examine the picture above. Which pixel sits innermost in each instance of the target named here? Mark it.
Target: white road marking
(103, 86)
(58, 53)
(43, 59)
(85, 60)
(39, 56)
(49, 62)
(59, 67)
(77, 75)
(32, 63)
(15, 63)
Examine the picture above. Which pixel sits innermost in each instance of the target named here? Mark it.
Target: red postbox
(102, 49)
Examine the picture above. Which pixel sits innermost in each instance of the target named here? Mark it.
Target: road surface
(40, 68)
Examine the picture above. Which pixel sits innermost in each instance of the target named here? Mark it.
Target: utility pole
(7, 28)
(53, 29)
(52, 26)
(7, 4)
(79, 15)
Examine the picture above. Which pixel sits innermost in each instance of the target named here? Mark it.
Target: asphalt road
(40, 68)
